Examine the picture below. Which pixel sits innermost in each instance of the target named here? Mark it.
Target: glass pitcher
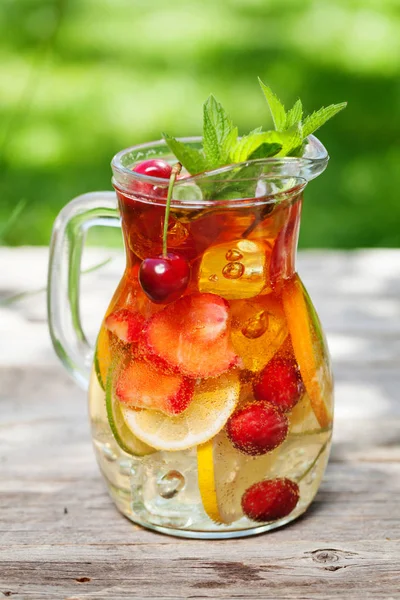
(211, 414)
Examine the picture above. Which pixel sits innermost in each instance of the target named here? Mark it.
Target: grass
(81, 79)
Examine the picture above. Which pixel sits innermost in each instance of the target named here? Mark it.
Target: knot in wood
(325, 556)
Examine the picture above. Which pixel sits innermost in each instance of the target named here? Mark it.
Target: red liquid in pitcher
(216, 407)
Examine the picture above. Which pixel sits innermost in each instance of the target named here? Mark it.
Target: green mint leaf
(191, 158)
(294, 115)
(219, 133)
(249, 144)
(276, 107)
(321, 116)
(292, 138)
(266, 151)
(256, 130)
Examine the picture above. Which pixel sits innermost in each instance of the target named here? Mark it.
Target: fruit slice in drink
(258, 330)
(139, 385)
(305, 348)
(191, 337)
(102, 356)
(124, 437)
(213, 402)
(236, 269)
(225, 474)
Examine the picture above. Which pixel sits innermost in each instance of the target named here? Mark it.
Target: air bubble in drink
(170, 484)
(233, 270)
(233, 255)
(256, 326)
(213, 277)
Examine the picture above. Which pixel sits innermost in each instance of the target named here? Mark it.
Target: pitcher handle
(67, 242)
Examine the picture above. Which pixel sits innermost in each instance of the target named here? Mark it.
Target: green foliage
(219, 133)
(294, 115)
(320, 117)
(277, 110)
(221, 145)
(82, 79)
(192, 158)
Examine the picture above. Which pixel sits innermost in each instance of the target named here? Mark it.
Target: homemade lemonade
(202, 405)
(211, 392)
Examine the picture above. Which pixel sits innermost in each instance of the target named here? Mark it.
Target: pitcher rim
(300, 171)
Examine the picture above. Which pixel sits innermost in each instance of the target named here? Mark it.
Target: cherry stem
(176, 169)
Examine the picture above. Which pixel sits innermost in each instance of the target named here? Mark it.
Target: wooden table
(62, 538)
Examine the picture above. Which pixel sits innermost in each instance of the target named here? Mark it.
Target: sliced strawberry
(127, 325)
(192, 336)
(140, 385)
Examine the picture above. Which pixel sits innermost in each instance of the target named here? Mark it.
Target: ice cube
(258, 330)
(237, 269)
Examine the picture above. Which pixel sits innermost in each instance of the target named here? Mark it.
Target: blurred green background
(82, 79)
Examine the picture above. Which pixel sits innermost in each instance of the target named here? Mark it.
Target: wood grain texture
(62, 538)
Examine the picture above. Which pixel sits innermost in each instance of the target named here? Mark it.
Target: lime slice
(123, 435)
(102, 356)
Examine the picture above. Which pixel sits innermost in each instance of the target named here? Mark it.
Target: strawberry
(280, 383)
(192, 336)
(270, 500)
(127, 325)
(257, 428)
(139, 385)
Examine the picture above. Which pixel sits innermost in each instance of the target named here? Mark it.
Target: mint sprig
(222, 146)
(320, 117)
(275, 106)
(219, 133)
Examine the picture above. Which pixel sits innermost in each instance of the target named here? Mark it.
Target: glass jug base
(140, 493)
(220, 533)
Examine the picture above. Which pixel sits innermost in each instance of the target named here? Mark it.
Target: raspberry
(280, 383)
(270, 500)
(257, 428)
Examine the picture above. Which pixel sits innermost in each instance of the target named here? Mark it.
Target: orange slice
(300, 329)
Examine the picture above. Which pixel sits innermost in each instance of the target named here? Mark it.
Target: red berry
(257, 428)
(280, 383)
(152, 168)
(270, 500)
(164, 278)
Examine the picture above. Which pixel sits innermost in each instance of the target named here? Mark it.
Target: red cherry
(270, 500)
(257, 428)
(280, 383)
(154, 167)
(164, 279)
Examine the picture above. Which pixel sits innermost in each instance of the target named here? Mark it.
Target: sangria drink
(211, 392)
(212, 411)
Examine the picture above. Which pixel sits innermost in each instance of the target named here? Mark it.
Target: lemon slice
(213, 402)
(224, 473)
(299, 324)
